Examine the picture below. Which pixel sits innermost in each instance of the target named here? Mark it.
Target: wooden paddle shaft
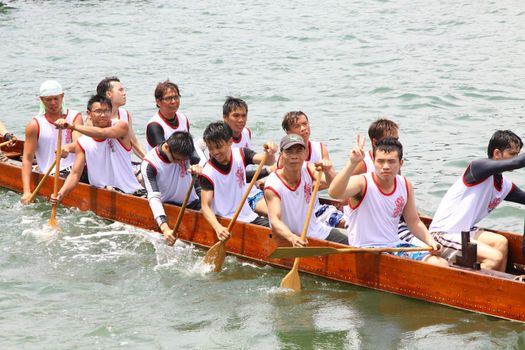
(37, 188)
(247, 193)
(311, 205)
(57, 174)
(184, 204)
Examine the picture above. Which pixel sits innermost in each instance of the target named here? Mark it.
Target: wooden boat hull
(493, 294)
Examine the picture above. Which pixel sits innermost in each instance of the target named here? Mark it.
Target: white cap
(50, 88)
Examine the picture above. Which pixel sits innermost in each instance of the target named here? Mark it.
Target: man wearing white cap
(42, 135)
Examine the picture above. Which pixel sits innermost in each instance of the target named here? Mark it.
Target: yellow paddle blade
(215, 256)
(292, 281)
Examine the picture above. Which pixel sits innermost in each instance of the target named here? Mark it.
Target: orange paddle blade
(215, 256)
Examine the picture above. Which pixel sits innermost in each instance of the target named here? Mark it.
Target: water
(449, 72)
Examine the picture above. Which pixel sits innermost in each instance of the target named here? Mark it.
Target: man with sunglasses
(168, 119)
(104, 148)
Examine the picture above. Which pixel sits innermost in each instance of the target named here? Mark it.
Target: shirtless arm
(137, 148)
(330, 173)
(270, 149)
(118, 130)
(344, 185)
(278, 226)
(207, 211)
(74, 176)
(71, 147)
(28, 157)
(416, 226)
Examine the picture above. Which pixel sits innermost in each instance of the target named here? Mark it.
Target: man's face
(221, 151)
(117, 94)
(236, 120)
(170, 102)
(100, 115)
(387, 165)
(508, 153)
(301, 127)
(53, 104)
(293, 157)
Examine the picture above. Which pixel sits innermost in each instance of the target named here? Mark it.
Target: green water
(450, 72)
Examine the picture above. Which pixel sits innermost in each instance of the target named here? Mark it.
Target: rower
(296, 122)
(165, 170)
(377, 200)
(168, 119)
(8, 136)
(41, 136)
(105, 149)
(223, 179)
(475, 194)
(377, 131)
(112, 88)
(288, 191)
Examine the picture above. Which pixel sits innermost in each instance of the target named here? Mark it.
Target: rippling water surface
(449, 72)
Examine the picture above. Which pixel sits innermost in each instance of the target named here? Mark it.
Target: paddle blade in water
(292, 281)
(215, 256)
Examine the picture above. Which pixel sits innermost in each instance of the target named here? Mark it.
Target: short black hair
(232, 103)
(380, 127)
(290, 118)
(502, 140)
(105, 85)
(217, 132)
(100, 99)
(181, 142)
(389, 144)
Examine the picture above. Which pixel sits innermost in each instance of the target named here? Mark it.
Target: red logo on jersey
(69, 138)
(400, 205)
(307, 192)
(183, 168)
(493, 204)
(240, 177)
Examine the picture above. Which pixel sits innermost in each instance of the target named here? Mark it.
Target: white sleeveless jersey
(374, 220)
(47, 142)
(244, 141)
(465, 205)
(229, 188)
(184, 125)
(315, 151)
(123, 115)
(369, 162)
(109, 163)
(173, 179)
(294, 204)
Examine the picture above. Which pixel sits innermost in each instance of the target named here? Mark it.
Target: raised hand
(270, 148)
(323, 165)
(357, 154)
(62, 123)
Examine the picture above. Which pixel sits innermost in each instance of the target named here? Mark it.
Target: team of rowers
(379, 210)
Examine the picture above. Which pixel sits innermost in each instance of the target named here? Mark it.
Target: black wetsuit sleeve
(206, 184)
(516, 195)
(248, 155)
(150, 180)
(154, 134)
(194, 158)
(480, 169)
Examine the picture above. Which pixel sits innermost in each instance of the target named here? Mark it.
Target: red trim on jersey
(81, 148)
(385, 194)
(362, 198)
(242, 156)
(160, 157)
(496, 185)
(366, 168)
(153, 165)
(249, 133)
(231, 163)
(168, 124)
(187, 124)
(38, 131)
(209, 179)
(286, 185)
(274, 191)
(75, 119)
(406, 185)
(310, 171)
(240, 139)
(309, 151)
(127, 149)
(465, 182)
(98, 140)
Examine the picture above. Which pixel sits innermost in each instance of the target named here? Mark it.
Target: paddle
(217, 253)
(183, 207)
(292, 279)
(300, 252)
(53, 219)
(5, 143)
(37, 188)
